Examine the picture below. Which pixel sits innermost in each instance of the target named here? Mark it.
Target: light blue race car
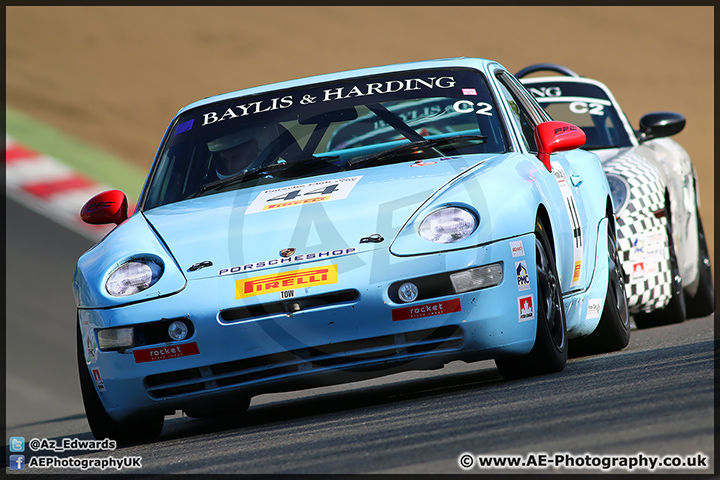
(341, 227)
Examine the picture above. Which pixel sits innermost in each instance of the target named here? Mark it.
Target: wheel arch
(610, 214)
(543, 215)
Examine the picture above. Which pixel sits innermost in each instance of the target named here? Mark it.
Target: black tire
(101, 424)
(702, 303)
(613, 330)
(550, 352)
(674, 311)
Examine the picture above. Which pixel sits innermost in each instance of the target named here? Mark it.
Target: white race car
(655, 192)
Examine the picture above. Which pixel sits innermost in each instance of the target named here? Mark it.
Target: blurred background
(114, 76)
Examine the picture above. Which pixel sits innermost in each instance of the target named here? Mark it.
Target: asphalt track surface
(653, 398)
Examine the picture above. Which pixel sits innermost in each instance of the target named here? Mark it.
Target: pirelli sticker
(279, 282)
(296, 195)
(574, 216)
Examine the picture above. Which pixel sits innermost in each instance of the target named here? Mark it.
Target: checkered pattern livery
(642, 237)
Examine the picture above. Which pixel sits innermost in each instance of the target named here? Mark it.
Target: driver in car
(236, 153)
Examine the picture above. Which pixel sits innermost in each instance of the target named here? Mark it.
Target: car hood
(295, 221)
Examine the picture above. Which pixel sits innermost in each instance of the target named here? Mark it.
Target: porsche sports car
(341, 227)
(660, 234)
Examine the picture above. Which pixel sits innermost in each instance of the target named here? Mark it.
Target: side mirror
(106, 207)
(659, 125)
(557, 136)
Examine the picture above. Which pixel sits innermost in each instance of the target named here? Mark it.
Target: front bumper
(345, 330)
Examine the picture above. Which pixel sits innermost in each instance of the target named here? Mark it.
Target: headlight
(133, 277)
(618, 192)
(448, 225)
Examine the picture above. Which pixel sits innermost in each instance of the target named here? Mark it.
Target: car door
(575, 261)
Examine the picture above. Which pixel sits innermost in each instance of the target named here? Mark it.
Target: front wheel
(613, 330)
(550, 352)
(101, 424)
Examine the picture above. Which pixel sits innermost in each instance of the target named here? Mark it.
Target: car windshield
(349, 124)
(585, 105)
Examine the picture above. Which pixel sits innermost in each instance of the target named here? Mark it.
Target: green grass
(91, 162)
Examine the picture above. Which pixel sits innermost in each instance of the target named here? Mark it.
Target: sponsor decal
(165, 352)
(576, 272)
(638, 270)
(517, 249)
(184, 127)
(318, 96)
(427, 310)
(574, 217)
(90, 347)
(279, 282)
(657, 238)
(420, 163)
(648, 248)
(390, 86)
(526, 308)
(98, 379)
(651, 268)
(638, 247)
(540, 92)
(469, 91)
(283, 261)
(523, 279)
(303, 194)
(593, 310)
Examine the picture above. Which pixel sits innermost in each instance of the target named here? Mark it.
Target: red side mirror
(556, 136)
(106, 207)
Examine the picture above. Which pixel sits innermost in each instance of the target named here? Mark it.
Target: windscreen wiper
(395, 122)
(456, 141)
(263, 171)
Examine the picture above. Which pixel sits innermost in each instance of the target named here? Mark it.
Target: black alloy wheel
(550, 352)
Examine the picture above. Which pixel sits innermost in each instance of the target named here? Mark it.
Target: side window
(522, 117)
